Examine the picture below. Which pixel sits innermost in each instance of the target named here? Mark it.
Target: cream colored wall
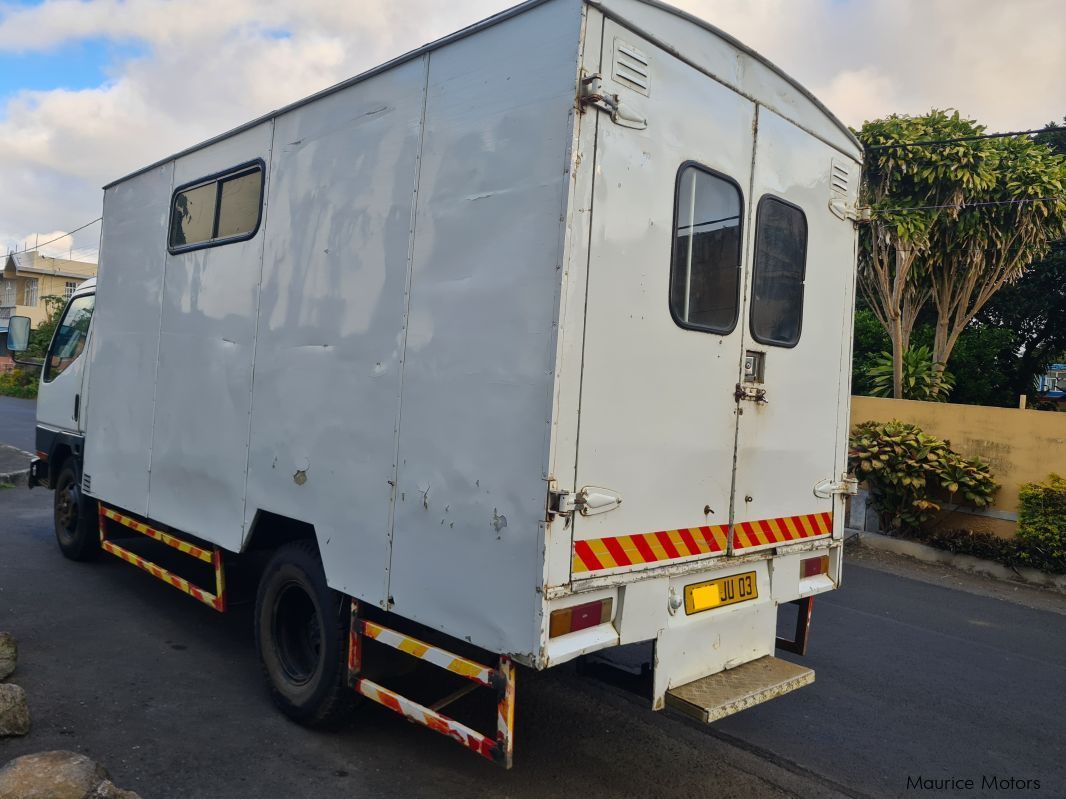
(1020, 446)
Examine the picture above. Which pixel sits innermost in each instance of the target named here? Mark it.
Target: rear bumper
(690, 646)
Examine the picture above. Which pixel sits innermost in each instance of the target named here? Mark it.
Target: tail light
(812, 567)
(580, 617)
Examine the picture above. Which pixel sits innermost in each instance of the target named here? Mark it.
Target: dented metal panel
(203, 385)
(125, 338)
(331, 325)
(477, 374)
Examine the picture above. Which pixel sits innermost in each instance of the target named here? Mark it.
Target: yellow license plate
(721, 592)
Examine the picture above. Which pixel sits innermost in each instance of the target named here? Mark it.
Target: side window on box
(218, 209)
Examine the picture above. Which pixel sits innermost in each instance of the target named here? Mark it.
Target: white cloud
(209, 65)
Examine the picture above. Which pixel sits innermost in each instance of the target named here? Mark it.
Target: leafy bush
(19, 383)
(1042, 520)
(1011, 552)
(922, 379)
(905, 469)
(981, 545)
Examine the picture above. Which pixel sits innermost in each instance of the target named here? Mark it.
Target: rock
(14, 714)
(58, 775)
(9, 655)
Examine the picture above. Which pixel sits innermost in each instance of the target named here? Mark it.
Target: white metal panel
(570, 343)
(657, 410)
(791, 442)
(329, 347)
(477, 385)
(125, 336)
(733, 64)
(203, 389)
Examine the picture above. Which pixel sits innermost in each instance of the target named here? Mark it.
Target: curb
(968, 563)
(22, 475)
(15, 478)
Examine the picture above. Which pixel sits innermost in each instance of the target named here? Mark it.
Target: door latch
(847, 486)
(750, 393)
(593, 92)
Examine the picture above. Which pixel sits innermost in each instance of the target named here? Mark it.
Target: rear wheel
(75, 522)
(301, 637)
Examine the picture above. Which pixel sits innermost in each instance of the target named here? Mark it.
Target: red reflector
(579, 617)
(812, 567)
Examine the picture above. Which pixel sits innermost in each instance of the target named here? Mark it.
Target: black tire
(301, 637)
(75, 519)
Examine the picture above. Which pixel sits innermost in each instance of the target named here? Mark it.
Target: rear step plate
(711, 698)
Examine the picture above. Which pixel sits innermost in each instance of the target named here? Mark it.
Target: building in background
(1052, 384)
(29, 277)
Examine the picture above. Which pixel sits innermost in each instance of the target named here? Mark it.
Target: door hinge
(589, 501)
(847, 486)
(592, 92)
(750, 393)
(842, 210)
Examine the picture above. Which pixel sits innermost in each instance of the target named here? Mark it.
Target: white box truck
(531, 343)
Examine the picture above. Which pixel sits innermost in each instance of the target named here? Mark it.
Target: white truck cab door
(59, 397)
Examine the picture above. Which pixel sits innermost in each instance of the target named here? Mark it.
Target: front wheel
(75, 524)
(301, 637)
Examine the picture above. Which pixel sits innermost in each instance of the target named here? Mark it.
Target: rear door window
(779, 271)
(705, 266)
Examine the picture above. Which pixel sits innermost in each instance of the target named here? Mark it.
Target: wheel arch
(269, 531)
(59, 446)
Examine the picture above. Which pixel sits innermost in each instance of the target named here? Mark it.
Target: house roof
(34, 263)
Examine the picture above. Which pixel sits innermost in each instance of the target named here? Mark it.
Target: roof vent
(631, 67)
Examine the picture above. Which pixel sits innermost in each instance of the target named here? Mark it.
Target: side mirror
(18, 333)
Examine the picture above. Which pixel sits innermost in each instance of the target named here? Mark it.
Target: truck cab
(61, 422)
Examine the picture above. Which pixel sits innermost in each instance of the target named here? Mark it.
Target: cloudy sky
(92, 89)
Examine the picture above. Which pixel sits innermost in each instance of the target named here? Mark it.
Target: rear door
(796, 332)
(664, 330)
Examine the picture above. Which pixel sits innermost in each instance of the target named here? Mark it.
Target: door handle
(77, 405)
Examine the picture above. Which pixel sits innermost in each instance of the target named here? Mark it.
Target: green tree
(909, 190)
(870, 341)
(998, 231)
(41, 336)
(1034, 307)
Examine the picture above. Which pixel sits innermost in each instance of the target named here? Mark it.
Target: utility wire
(57, 238)
(961, 206)
(940, 142)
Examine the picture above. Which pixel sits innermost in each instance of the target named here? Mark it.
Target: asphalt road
(914, 679)
(17, 422)
(922, 672)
